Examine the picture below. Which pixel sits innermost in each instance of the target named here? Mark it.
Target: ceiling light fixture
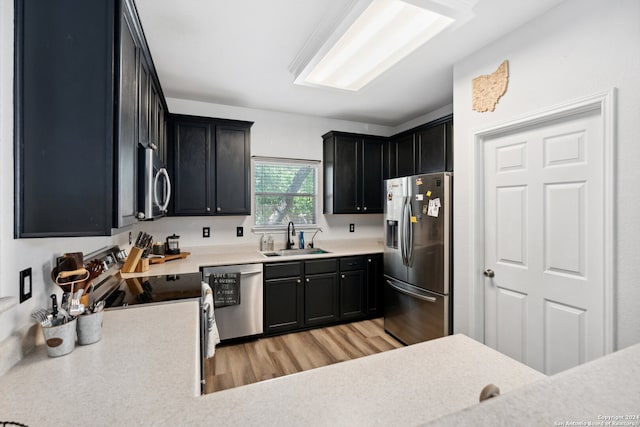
(373, 36)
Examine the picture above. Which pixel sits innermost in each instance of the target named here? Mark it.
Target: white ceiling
(238, 52)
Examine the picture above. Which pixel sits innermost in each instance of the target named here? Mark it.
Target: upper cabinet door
(405, 155)
(233, 174)
(126, 178)
(192, 160)
(371, 175)
(432, 149)
(346, 177)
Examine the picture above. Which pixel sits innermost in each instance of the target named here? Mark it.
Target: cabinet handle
(342, 276)
(365, 208)
(299, 281)
(357, 208)
(218, 209)
(208, 209)
(307, 280)
(368, 259)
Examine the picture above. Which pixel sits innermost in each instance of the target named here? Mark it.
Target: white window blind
(285, 190)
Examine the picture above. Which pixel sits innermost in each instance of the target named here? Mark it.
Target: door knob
(489, 273)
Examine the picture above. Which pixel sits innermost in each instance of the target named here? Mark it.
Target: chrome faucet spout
(314, 236)
(291, 231)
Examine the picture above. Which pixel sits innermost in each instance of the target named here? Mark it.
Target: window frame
(285, 161)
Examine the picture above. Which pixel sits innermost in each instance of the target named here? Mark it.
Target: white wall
(580, 48)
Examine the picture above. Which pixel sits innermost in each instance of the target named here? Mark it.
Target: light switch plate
(239, 231)
(25, 285)
(352, 228)
(206, 232)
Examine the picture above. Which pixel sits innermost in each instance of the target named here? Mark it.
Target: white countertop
(203, 256)
(144, 371)
(605, 390)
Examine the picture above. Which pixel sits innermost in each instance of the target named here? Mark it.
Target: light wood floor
(245, 363)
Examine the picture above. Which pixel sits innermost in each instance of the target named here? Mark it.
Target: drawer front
(282, 269)
(318, 266)
(351, 263)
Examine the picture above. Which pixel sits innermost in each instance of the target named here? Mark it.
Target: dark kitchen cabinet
(353, 288)
(434, 148)
(316, 292)
(375, 284)
(400, 156)
(233, 170)
(192, 163)
(283, 297)
(210, 166)
(425, 149)
(353, 173)
(126, 151)
(77, 116)
(321, 296)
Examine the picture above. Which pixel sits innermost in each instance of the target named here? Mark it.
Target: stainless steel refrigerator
(417, 257)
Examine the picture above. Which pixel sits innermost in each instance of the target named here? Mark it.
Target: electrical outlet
(352, 228)
(206, 232)
(25, 285)
(239, 231)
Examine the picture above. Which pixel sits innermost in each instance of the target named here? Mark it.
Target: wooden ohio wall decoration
(489, 88)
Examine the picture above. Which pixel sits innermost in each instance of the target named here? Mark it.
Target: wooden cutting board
(181, 255)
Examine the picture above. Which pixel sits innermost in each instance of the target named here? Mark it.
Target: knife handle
(54, 305)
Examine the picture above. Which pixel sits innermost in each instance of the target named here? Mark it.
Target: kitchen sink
(291, 252)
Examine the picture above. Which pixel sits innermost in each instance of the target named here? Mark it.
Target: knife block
(143, 265)
(132, 260)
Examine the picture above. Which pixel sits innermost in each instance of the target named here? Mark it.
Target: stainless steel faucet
(291, 231)
(314, 236)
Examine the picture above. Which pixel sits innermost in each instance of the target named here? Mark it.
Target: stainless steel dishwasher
(244, 319)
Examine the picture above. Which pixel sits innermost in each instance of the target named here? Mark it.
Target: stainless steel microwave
(154, 185)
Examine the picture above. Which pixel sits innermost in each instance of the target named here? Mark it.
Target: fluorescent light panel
(386, 32)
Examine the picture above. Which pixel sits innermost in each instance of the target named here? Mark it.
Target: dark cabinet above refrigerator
(425, 149)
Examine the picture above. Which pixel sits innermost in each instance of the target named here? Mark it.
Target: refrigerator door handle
(409, 233)
(409, 293)
(403, 236)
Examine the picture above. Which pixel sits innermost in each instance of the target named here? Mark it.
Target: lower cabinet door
(353, 295)
(283, 305)
(321, 299)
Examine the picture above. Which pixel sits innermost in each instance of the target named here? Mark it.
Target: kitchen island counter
(145, 371)
(204, 256)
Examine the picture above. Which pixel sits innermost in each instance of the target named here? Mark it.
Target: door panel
(544, 241)
(565, 339)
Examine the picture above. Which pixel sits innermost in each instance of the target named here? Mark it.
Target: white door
(544, 225)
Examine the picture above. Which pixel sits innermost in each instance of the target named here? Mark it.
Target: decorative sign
(488, 89)
(226, 289)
